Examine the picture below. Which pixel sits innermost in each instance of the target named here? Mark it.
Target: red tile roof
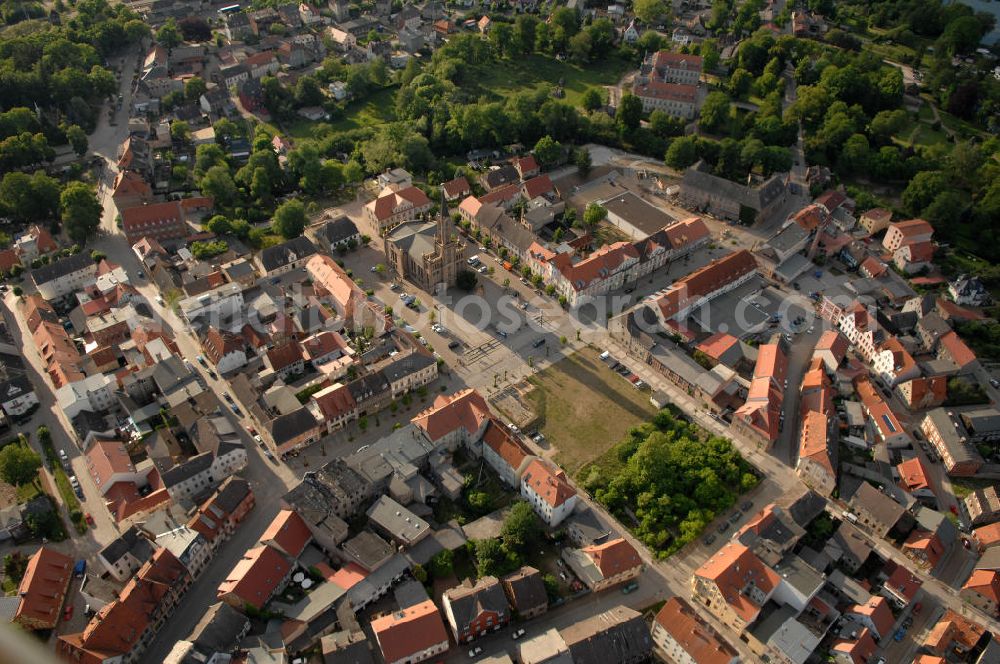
(285, 355)
(913, 227)
(405, 633)
(903, 582)
(860, 650)
(525, 164)
(386, 206)
(507, 447)
(456, 187)
(537, 186)
(43, 589)
(913, 475)
(717, 344)
(105, 459)
(878, 610)
(701, 643)
(256, 577)
(814, 442)
(499, 196)
(953, 629)
(335, 401)
(731, 569)
(548, 482)
(873, 267)
(956, 349)
(671, 91)
(465, 408)
(117, 627)
(130, 183)
(218, 344)
(614, 557)
(834, 342)
(985, 582)
(988, 536)
(810, 217)
(708, 279)
(677, 60)
(8, 259)
(686, 232)
(831, 200)
(288, 533)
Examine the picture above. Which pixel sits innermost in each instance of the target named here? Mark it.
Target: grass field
(963, 486)
(531, 72)
(584, 408)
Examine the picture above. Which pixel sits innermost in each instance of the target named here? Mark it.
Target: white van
(473, 260)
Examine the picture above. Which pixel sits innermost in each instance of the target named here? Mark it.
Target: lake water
(991, 7)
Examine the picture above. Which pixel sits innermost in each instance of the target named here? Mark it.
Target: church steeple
(443, 222)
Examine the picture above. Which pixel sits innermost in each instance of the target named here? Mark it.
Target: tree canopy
(19, 464)
(673, 477)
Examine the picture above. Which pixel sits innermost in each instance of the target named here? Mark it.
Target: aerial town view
(500, 331)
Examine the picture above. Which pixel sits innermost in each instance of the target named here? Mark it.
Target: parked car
(747, 505)
(475, 652)
(518, 634)
(453, 344)
(68, 613)
(708, 539)
(80, 568)
(89, 519)
(630, 587)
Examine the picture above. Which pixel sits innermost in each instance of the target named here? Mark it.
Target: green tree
(683, 152)
(629, 112)
(548, 151)
(19, 464)
(442, 564)
(480, 502)
(740, 82)
(650, 11)
(77, 138)
(922, 190)
(290, 219)
(490, 557)
(194, 88)
(525, 27)
(180, 131)
(591, 100)
(169, 35)
(581, 158)
(594, 214)
(521, 527)
(81, 211)
(714, 111)
(218, 183)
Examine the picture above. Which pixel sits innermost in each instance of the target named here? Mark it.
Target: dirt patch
(8, 495)
(583, 408)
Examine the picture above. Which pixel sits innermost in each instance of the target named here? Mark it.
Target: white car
(518, 634)
(475, 651)
(403, 296)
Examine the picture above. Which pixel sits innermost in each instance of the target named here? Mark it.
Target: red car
(88, 518)
(954, 510)
(68, 613)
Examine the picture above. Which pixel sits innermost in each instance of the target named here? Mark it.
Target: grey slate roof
(501, 176)
(131, 541)
(219, 629)
(338, 230)
(617, 635)
(756, 198)
(232, 492)
(280, 255)
(468, 603)
(61, 268)
(188, 469)
(406, 366)
(526, 589)
(286, 427)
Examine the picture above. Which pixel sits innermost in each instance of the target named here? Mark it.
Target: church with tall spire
(425, 252)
